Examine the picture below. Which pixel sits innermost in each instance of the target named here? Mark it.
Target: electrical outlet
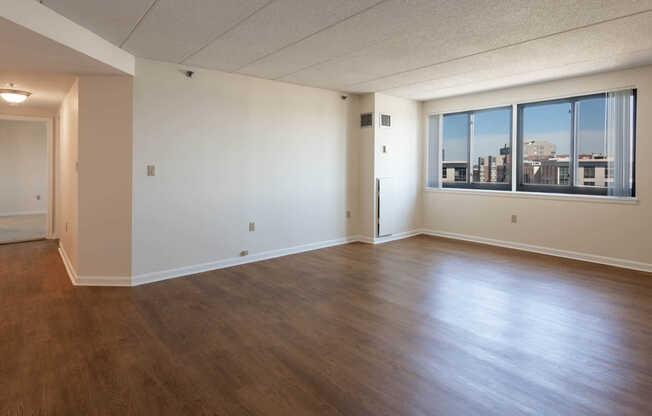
(252, 226)
(348, 214)
(514, 219)
(151, 170)
(244, 253)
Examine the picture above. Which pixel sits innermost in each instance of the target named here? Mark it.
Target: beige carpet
(22, 228)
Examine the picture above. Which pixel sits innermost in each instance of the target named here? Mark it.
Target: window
(579, 145)
(476, 145)
(568, 146)
(455, 146)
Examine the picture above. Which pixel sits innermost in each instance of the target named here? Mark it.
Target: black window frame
(571, 188)
(469, 184)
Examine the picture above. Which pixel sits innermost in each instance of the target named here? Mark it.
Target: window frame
(469, 184)
(571, 188)
(539, 191)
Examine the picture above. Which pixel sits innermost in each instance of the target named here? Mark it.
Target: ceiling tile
(173, 29)
(598, 48)
(476, 30)
(281, 23)
(111, 20)
(388, 19)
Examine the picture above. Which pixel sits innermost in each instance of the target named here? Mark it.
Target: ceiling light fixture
(13, 96)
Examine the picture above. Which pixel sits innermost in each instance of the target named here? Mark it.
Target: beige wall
(602, 229)
(23, 167)
(403, 159)
(230, 149)
(67, 203)
(105, 161)
(94, 197)
(367, 217)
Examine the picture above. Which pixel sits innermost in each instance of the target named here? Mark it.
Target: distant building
(486, 169)
(538, 150)
(592, 170)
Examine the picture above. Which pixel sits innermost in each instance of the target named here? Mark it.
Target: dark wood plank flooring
(422, 326)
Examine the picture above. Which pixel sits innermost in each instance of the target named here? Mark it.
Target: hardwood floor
(422, 326)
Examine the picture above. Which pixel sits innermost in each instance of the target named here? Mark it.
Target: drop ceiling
(418, 49)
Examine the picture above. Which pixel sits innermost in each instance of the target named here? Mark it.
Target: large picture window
(576, 145)
(476, 149)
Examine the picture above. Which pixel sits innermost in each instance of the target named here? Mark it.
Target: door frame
(49, 122)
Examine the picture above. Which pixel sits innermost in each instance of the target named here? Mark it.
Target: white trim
(77, 280)
(236, 261)
(152, 277)
(512, 151)
(463, 109)
(592, 258)
(19, 213)
(72, 274)
(119, 281)
(388, 238)
(594, 199)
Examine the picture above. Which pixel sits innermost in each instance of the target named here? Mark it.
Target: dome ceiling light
(14, 96)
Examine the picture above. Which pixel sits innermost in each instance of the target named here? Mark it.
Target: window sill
(538, 195)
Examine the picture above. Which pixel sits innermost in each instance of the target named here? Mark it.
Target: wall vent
(366, 120)
(385, 120)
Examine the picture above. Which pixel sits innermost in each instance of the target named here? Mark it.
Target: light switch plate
(252, 226)
(151, 170)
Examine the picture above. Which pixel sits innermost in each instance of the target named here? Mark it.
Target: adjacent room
(23, 180)
(333, 207)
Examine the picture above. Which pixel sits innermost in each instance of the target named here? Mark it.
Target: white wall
(105, 165)
(403, 159)
(67, 204)
(601, 229)
(230, 149)
(366, 137)
(23, 167)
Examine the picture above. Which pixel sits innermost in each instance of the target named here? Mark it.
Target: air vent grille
(366, 120)
(385, 120)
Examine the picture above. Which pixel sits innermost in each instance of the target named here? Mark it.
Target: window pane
(546, 144)
(592, 154)
(455, 147)
(491, 146)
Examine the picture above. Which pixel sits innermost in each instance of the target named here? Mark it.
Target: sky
(549, 122)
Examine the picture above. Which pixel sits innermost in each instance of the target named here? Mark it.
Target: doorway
(25, 179)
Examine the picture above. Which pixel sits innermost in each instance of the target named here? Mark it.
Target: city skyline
(545, 122)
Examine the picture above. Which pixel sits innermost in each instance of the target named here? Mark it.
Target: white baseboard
(72, 274)
(235, 261)
(610, 261)
(230, 262)
(90, 280)
(17, 213)
(388, 238)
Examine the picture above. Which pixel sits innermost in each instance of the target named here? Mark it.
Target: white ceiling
(413, 48)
